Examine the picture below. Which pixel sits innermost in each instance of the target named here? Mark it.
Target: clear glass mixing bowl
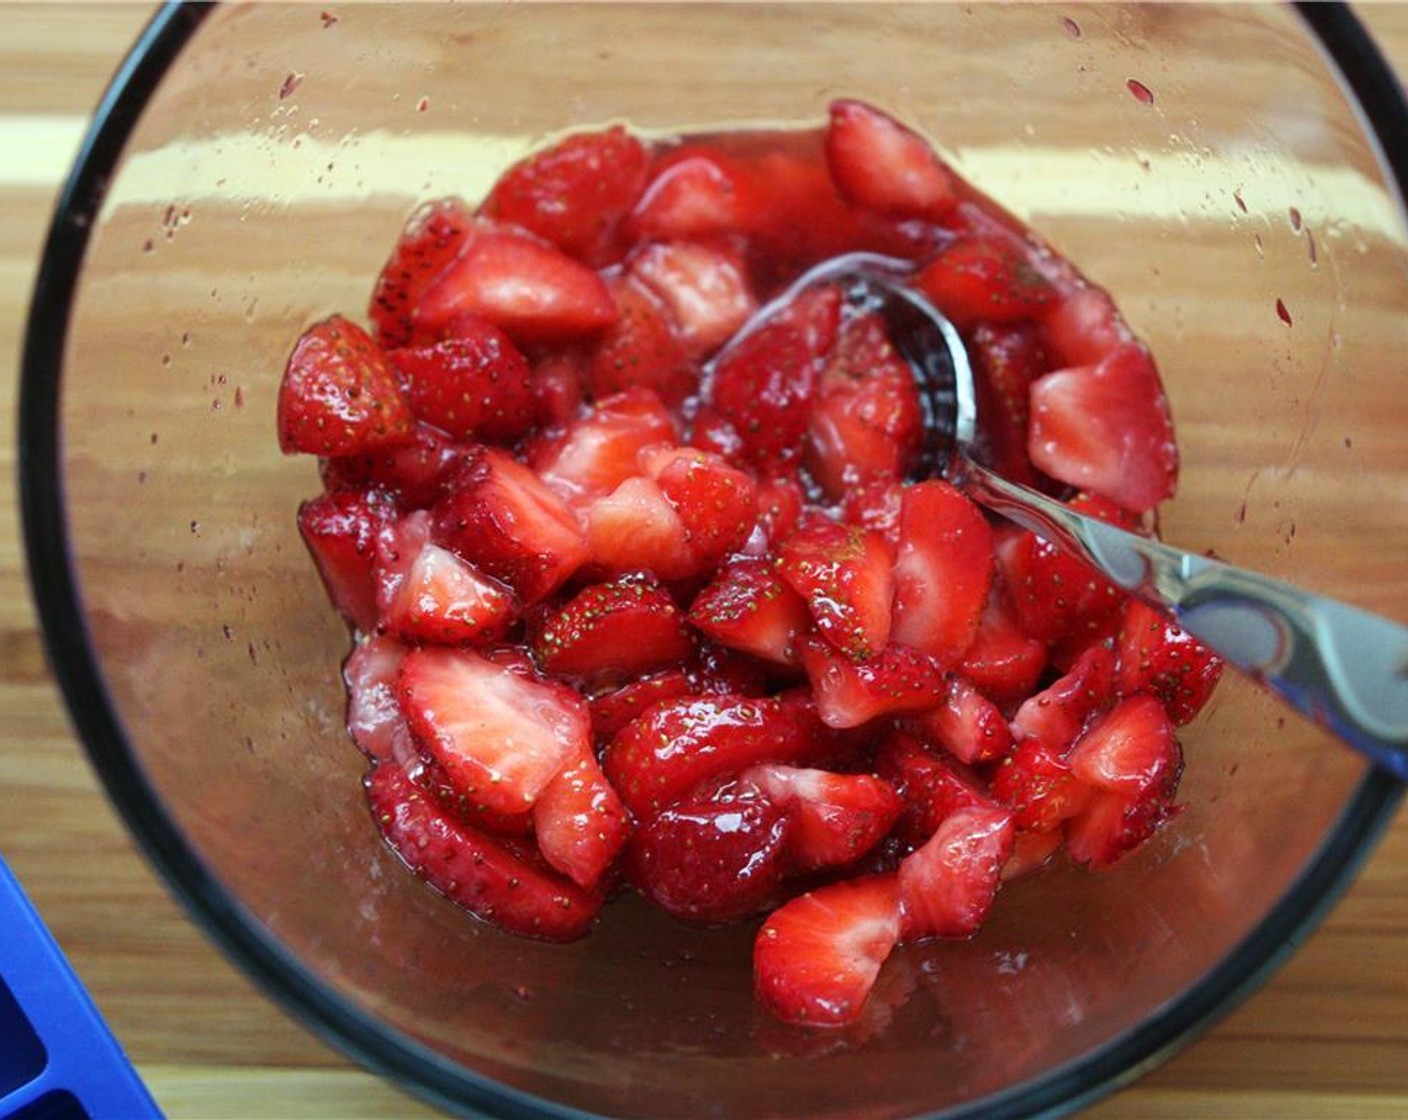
(1233, 174)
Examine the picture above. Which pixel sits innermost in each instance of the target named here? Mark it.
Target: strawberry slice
(612, 631)
(532, 291)
(947, 887)
(932, 784)
(340, 530)
(1036, 783)
(500, 517)
(780, 504)
(1007, 358)
(575, 193)
(1083, 327)
(834, 818)
(817, 956)
(637, 528)
(880, 164)
(1158, 657)
(1003, 663)
(750, 608)
(431, 777)
(411, 474)
(338, 395)
(898, 681)
(693, 193)
(943, 571)
(558, 382)
(472, 383)
(500, 736)
(432, 238)
(641, 348)
(717, 504)
(845, 575)
(602, 449)
(612, 710)
(1031, 851)
(374, 717)
(425, 593)
(986, 279)
(705, 289)
(579, 821)
(966, 724)
(1106, 428)
(1060, 712)
(494, 878)
(875, 505)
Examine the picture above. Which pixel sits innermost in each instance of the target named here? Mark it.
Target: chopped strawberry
(374, 716)
(340, 530)
(693, 193)
(575, 193)
(1060, 712)
(1131, 750)
(1035, 782)
(412, 474)
(712, 857)
(943, 571)
(844, 574)
(425, 593)
(817, 956)
(1007, 358)
(880, 164)
(431, 777)
(875, 505)
(1113, 825)
(709, 431)
(499, 516)
(897, 681)
(933, 785)
(834, 818)
(579, 821)
(637, 528)
(558, 381)
(473, 383)
(1158, 657)
(532, 291)
(716, 503)
(780, 503)
(641, 348)
(1002, 663)
(612, 710)
(610, 632)
(338, 395)
(705, 289)
(985, 279)
(1082, 328)
(947, 886)
(749, 607)
(1106, 428)
(432, 238)
(495, 878)
(602, 449)
(1031, 851)
(966, 724)
(500, 736)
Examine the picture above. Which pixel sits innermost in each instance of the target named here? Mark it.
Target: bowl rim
(1368, 84)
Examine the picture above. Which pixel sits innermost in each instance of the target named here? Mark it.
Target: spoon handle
(1342, 667)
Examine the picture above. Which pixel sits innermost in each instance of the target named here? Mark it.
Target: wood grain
(1326, 1037)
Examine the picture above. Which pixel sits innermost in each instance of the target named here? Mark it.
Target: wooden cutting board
(1327, 1037)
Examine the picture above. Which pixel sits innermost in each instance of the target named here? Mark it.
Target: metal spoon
(1344, 668)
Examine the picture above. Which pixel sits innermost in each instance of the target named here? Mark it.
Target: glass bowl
(1233, 174)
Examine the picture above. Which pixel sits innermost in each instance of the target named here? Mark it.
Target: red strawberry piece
(575, 193)
(495, 878)
(1131, 750)
(875, 505)
(979, 279)
(612, 710)
(425, 593)
(1106, 428)
(602, 449)
(1002, 663)
(947, 886)
(1060, 712)
(716, 503)
(966, 724)
(780, 503)
(1083, 327)
(1007, 358)
(1036, 783)
(1031, 851)
(431, 777)
(579, 821)
(374, 717)
(472, 383)
(340, 530)
(706, 290)
(898, 681)
(748, 607)
(764, 384)
(943, 571)
(1111, 826)
(845, 575)
(834, 818)
(817, 956)
(693, 193)
(500, 736)
(678, 744)
(933, 785)
(640, 349)
(1158, 657)
(612, 631)
(880, 164)
(558, 380)
(338, 395)
(532, 291)
(637, 528)
(709, 431)
(500, 517)
(867, 423)
(713, 857)
(411, 474)
(432, 238)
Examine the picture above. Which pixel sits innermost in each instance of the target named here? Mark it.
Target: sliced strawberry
(496, 879)
(1031, 851)
(425, 593)
(966, 724)
(749, 607)
(709, 431)
(947, 886)
(575, 193)
(844, 574)
(834, 818)
(1111, 826)
(532, 291)
(1106, 428)
(579, 821)
(986, 279)
(1083, 327)
(558, 382)
(374, 717)
(340, 530)
(500, 736)
(693, 193)
(867, 423)
(640, 349)
(412, 474)
(933, 785)
(817, 956)
(875, 505)
(431, 777)
(1158, 657)
(1002, 663)
(705, 288)
(1060, 712)
(712, 857)
(499, 516)
(780, 503)
(637, 528)
(612, 710)
(473, 383)
(432, 238)
(1035, 782)
(898, 681)
(338, 395)
(1007, 358)
(880, 164)
(1131, 750)
(716, 503)
(943, 571)
(600, 450)
(610, 632)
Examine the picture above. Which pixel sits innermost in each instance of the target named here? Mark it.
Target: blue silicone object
(58, 1060)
